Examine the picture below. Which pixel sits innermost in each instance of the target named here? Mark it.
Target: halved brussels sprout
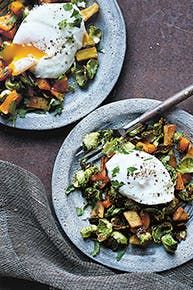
(169, 243)
(86, 232)
(161, 230)
(104, 230)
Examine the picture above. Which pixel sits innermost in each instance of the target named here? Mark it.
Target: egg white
(145, 178)
(41, 29)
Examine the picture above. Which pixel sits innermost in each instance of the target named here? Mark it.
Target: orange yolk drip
(13, 53)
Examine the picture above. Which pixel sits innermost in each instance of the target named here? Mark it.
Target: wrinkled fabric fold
(33, 248)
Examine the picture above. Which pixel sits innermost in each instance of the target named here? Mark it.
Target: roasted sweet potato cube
(145, 219)
(183, 144)
(169, 131)
(180, 215)
(179, 182)
(38, 103)
(133, 240)
(172, 162)
(133, 218)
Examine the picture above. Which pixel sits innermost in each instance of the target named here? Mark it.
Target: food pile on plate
(139, 193)
(46, 50)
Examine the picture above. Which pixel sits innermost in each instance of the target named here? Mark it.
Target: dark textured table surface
(158, 63)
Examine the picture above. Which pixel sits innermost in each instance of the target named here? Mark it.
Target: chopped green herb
(131, 169)
(96, 249)
(79, 211)
(115, 171)
(77, 18)
(22, 112)
(120, 254)
(63, 24)
(70, 189)
(116, 184)
(67, 6)
(147, 159)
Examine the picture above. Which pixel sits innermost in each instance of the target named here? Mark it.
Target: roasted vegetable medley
(116, 221)
(23, 85)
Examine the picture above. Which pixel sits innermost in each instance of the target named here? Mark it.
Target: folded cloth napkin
(33, 248)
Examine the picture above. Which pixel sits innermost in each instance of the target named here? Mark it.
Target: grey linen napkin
(32, 247)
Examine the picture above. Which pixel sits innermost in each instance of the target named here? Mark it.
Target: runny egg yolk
(21, 57)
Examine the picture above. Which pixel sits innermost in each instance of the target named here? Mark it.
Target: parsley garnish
(120, 254)
(70, 189)
(96, 249)
(115, 171)
(78, 18)
(67, 6)
(79, 211)
(131, 169)
(62, 24)
(116, 184)
(148, 159)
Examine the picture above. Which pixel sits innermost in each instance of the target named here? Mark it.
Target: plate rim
(60, 122)
(54, 173)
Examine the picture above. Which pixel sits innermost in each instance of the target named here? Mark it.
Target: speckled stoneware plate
(152, 259)
(80, 103)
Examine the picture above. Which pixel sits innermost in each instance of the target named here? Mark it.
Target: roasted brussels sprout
(88, 231)
(119, 237)
(91, 140)
(82, 177)
(161, 230)
(104, 230)
(95, 33)
(144, 237)
(186, 165)
(169, 243)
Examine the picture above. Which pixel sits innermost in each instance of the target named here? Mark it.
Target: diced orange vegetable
(7, 22)
(172, 161)
(183, 144)
(134, 240)
(58, 95)
(187, 177)
(169, 131)
(87, 53)
(180, 215)
(9, 34)
(37, 103)
(87, 41)
(145, 219)
(147, 147)
(133, 218)
(16, 7)
(101, 176)
(61, 85)
(43, 85)
(12, 97)
(107, 203)
(179, 182)
(90, 11)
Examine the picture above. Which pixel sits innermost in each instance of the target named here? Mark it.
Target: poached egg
(46, 41)
(143, 177)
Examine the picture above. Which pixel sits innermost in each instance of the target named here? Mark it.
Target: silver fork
(94, 155)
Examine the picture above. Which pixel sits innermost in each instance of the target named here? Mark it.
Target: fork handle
(161, 108)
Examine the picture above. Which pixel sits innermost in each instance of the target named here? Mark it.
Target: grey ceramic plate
(80, 103)
(154, 258)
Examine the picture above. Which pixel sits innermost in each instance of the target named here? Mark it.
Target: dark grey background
(159, 62)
